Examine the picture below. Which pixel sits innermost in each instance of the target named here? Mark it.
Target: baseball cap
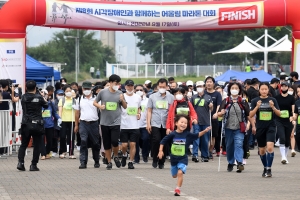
(179, 83)
(233, 78)
(59, 92)
(199, 83)
(189, 83)
(86, 84)
(285, 83)
(129, 82)
(274, 80)
(147, 82)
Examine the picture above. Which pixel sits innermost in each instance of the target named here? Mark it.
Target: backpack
(240, 102)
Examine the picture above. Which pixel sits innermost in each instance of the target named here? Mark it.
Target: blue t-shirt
(180, 144)
(216, 99)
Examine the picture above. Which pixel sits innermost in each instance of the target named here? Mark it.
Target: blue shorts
(174, 168)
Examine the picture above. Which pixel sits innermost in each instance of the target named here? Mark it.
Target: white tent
(250, 46)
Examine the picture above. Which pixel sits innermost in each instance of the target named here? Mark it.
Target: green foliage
(62, 49)
(196, 48)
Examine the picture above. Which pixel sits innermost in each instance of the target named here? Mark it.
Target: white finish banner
(153, 16)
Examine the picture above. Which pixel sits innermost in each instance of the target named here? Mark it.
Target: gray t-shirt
(111, 115)
(160, 108)
(202, 109)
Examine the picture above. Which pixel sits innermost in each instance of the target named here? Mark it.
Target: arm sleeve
(296, 109)
(59, 103)
(253, 104)
(219, 99)
(150, 103)
(98, 98)
(276, 104)
(222, 105)
(167, 139)
(54, 113)
(193, 136)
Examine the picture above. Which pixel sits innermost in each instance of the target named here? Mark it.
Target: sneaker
(117, 162)
(277, 143)
(130, 165)
(214, 151)
(97, 165)
(54, 154)
(168, 157)
(21, 166)
(211, 156)
(230, 167)
(264, 172)
(82, 166)
(195, 159)
(78, 148)
(161, 166)
(124, 161)
(283, 161)
(48, 156)
(177, 192)
(287, 162)
(34, 168)
(268, 173)
(224, 153)
(145, 159)
(248, 154)
(244, 162)
(43, 158)
(218, 154)
(104, 161)
(204, 160)
(293, 153)
(251, 147)
(109, 166)
(154, 164)
(240, 167)
(72, 157)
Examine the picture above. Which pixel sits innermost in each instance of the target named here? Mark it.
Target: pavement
(61, 179)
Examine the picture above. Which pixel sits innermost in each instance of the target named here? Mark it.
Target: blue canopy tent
(38, 72)
(261, 75)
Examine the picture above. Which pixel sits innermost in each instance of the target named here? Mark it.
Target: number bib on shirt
(184, 111)
(111, 106)
(284, 114)
(178, 150)
(298, 120)
(220, 119)
(46, 113)
(162, 104)
(143, 108)
(68, 106)
(132, 110)
(265, 115)
(201, 102)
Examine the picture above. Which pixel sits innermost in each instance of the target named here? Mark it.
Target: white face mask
(87, 92)
(179, 97)
(234, 92)
(290, 92)
(68, 94)
(140, 93)
(129, 92)
(115, 87)
(200, 90)
(59, 97)
(162, 90)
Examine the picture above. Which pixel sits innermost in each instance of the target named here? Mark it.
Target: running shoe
(224, 153)
(244, 162)
(97, 165)
(293, 153)
(177, 192)
(264, 172)
(117, 162)
(230, 167)
(145, 159)
(48, 156)
(124, 158)
(211, 156)
(43, 158)
(269, 173)
(277, 143)
(248, 154)
(195, 159)
(154, 164)
(204, 160)
(130, 165)
(240, 167)
(161, 166)
(218, 154)
(109, 166)
(283, 161)
(53, 154)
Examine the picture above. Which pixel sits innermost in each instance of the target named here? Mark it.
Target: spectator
(274, 86)
(92, 70)
(295, 76)
(98, 74)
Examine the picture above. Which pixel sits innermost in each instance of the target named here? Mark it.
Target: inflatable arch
(16, 15)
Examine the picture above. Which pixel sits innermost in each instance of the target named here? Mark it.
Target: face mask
(234, 92)
(179, 97)
(284, 92)
(87, 92)
(59, 97)
(189, 94)
(131, 92)
(162, 90)
(290, 92)
(140, 93)
(115, 87)
(68, 94)
(200, 90)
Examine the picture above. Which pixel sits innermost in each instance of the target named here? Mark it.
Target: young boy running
(181, 139)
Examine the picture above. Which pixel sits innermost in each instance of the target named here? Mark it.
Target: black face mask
(284, 92)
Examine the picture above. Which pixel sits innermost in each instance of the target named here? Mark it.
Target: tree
(62, 49)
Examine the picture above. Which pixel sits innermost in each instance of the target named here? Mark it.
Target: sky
(125, 41)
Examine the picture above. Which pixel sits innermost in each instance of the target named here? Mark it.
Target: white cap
(44, 91)
(179, 83)
(147, 82)
(199, 83)
(189, 83)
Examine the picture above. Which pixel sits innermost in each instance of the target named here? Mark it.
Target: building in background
(108, 38)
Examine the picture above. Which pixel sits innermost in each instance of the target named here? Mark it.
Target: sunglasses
(139, 90)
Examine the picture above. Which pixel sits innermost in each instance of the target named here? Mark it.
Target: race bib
(46, 113)
(132, 110)
(298, 119)
(184, 111)
(162, 104)
(111, 105)
(178, 150)
(201, 102)
(265, 115)
(143, 108)
(284, 114)
(68, 106)
(220, 119)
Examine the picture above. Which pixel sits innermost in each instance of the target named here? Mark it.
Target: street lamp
(76, 54)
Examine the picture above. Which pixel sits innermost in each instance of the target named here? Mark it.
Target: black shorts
(131, 135)
(215, 128)
(110, 136)
(264, 135)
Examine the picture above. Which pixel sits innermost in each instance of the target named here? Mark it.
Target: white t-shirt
(143, 120)
(88, 112)
(129, 115)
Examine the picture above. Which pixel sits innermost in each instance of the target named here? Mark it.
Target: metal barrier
(6, 127)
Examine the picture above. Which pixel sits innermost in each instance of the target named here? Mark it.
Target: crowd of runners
(128, 123)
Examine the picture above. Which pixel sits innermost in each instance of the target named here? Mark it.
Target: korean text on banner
(151, 17)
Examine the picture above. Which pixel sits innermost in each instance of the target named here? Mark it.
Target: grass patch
(82, 76)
